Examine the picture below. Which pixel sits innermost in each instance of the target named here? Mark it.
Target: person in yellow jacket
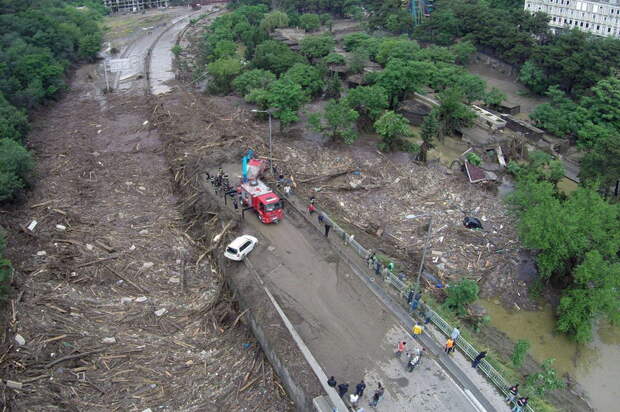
(417, 330)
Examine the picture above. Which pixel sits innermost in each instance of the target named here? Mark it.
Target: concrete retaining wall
(289, 363)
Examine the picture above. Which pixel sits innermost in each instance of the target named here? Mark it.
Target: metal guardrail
(468, 349)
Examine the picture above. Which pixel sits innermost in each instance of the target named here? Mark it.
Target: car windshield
(231, 250)
(273, 206)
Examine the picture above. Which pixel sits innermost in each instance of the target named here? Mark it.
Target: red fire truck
(257, 195)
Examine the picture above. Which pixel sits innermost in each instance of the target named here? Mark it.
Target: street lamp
(270, 156)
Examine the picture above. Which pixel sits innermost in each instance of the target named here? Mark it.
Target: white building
(600, 17)
(125, 6)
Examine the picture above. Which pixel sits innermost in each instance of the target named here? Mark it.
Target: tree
(429, 132)
(274, 20)
(452, 114)
(358, 60)
(310, 22)
(224, 48)
(396, 49)
(16, 167)
(561, 116)
(223, 72)
(393, 128)
(602, 104)
(355, 40)
(253, 79)
(308, 77)
(542, 382)
(494, 97)
(89, 46)
(334, 58)
(601, 163)
(317, 46)
(275, 56)
(519, 352)
(283, 97)
(533, 77)
(399, 78)
(460, 295)
(463, 51)
(595, 291)
(337, 121)
(368, 101)
(333, 86)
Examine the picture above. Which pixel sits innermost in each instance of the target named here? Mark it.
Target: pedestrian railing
(403, 290)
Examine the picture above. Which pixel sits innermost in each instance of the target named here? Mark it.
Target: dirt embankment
(118, 306)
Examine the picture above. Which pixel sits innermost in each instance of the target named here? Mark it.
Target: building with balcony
(600, 17)
(124, 6)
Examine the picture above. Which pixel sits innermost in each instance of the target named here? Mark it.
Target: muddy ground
(119, 308)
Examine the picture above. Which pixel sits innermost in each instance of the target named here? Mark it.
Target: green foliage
(519, 352)
(400, 77)
(308, 77)
(460, 295)
(317, 46)
(16, 168)
(429, 132)
(337, 121)
(223, 72)
(224, 48)
(561, 116)
(275, 56)
(368, 101)
(392, 127)
(283, 97)
(358, 60)
(473, 159)
(396, 48)
(333, 86)
(494, 97)
(601, 163)
(274, 20)
(463, 51)
(533, 77)
(595, 291)
(544, 381)
(310, 22)
(334, 58)
(253, 79)
(355, 40)
(13, 122)
(452, 114)
(176, 50)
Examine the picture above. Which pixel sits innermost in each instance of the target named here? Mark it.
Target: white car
(239, 248)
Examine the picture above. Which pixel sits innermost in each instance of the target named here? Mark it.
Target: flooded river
(594, 366)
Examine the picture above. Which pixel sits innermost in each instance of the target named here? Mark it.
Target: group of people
(413, 357)
(519, 403)
(355, 397)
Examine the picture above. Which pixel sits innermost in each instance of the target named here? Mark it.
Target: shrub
(334, 58)
(460, 295)
(275, 56)
(310, 22)
(317, 46)
(253, 79)
(308, 77)
(16, 166)
(519, 352)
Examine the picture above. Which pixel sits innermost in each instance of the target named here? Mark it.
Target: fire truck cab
(256, 194)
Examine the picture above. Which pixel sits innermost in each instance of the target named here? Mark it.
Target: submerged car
(239, 248)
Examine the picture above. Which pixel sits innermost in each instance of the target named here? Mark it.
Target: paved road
(348, 330)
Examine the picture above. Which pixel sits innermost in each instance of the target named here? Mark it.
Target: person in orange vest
(449, 346)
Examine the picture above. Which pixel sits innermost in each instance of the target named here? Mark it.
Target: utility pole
(105, 74)
(428, 237)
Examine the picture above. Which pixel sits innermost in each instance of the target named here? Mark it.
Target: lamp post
(270, 156)
(428, 236)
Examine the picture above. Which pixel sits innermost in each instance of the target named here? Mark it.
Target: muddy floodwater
(594, 366)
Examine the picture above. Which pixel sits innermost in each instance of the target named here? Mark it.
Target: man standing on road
(478, 359)
(400, 348)
(520, 404)
(513, 392)
(343, 388)
(332, 382)
(327, 228)
(359, 388)
(448, 347)
(377, 396)
(455, 333)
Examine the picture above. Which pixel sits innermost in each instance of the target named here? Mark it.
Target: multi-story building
(600, 17)
(133, 5)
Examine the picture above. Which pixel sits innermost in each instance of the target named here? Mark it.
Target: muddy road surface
(112, 308)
